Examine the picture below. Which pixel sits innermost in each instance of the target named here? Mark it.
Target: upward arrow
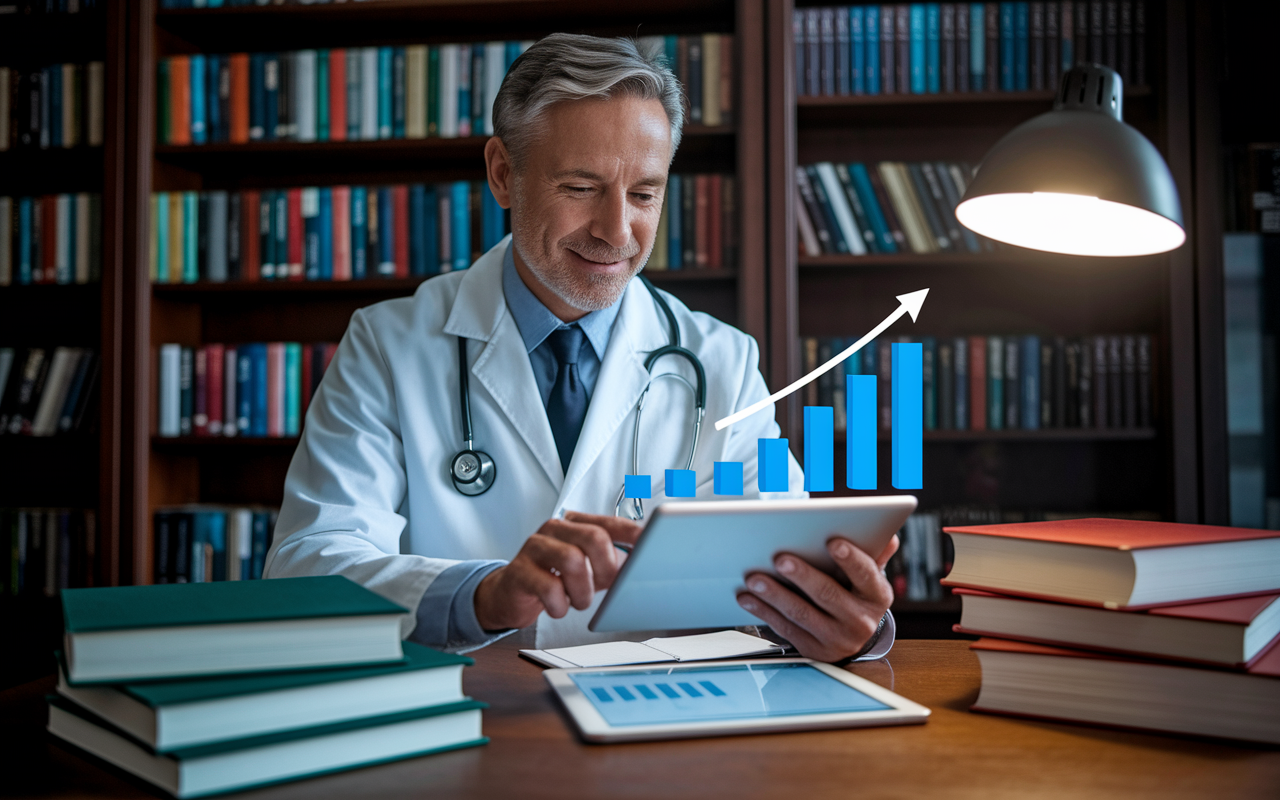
(909, 303)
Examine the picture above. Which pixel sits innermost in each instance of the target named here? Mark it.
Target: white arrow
(910, 304)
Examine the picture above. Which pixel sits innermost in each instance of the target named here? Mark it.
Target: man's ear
(498, 166)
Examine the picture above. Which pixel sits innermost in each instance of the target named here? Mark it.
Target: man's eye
(644, 198)
(579, 189)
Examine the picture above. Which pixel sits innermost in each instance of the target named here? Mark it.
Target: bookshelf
(75, 470)
(165, 471)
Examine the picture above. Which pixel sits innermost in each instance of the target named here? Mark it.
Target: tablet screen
(731, 691)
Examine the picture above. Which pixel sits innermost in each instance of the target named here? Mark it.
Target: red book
(700, 223)
(295, 237)
(200, 393)
(275, 389)
(179, 100)
(1233, 633)
(251, 263)
(341, 233)
(400, 206)
(1116, 563)
(1122, 692)
(337, 95)
(330, 348)
(304, 380)
(216, 390)
(977, 383)
(49, 236)
(715, 250)
(239, 100)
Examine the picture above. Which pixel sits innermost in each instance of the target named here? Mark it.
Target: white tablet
(627, 704)
(689, 564)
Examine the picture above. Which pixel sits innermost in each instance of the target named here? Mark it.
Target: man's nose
(612, 221)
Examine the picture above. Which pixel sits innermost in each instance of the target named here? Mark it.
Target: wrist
(866, 648)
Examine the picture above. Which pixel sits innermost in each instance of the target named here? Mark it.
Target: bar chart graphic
(906, 396)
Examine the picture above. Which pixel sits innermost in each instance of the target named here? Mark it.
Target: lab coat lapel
(480, 313)
(636, 331)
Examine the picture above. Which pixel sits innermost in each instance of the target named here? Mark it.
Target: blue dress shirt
(447, 612)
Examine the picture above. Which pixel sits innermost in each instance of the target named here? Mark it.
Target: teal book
(1006, 47)
(433, 91)
(129, 633)
(273, 758)
(386, 92)
(919, 40)
(460, 226)
(322, 95)
(292, 388)
(190, 237)
(933, 44)
(1021, 46)
(977, 51)
(171, 715)
(995, 383)
(162, 237)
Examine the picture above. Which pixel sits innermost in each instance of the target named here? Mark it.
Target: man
(555, 333)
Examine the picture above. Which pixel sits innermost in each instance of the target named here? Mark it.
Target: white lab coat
(368, 494)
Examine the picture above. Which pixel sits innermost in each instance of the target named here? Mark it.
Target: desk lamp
(1077, 180)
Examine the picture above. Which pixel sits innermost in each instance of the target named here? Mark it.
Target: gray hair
(567, 66)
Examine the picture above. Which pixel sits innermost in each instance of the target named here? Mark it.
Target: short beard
(584, 292)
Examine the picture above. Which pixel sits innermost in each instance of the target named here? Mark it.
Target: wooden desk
(534, 753)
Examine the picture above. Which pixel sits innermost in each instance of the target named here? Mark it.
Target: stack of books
(60, 105)
(203, 688)
(198, 543)
(56, 238)
(1148, 625)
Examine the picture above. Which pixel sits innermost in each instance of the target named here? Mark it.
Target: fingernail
(843, 550)
(786, 566)
(747, 603)
(758, 586)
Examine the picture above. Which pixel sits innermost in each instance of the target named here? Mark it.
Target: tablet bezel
(810, 545)
(594, 728)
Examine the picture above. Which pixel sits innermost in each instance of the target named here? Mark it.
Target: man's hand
(839, 621)
(561, 565)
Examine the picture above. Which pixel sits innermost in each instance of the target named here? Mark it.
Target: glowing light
(1070, 223)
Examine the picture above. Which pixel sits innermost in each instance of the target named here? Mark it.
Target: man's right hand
(564, 564)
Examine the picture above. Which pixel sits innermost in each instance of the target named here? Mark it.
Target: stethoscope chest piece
(473, 472)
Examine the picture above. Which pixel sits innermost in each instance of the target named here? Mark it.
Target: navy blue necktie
(567, 405)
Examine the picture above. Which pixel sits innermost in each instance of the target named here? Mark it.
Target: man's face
(585, 202)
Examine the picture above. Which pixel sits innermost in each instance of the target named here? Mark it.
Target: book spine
(322, 95)
(341, 266)
(1129, 350)
(1036, 48)
(675, 225)
(944, 371)
(463, 74)
(961, 357)
(1052, 46)
(271, 85)
(994, 48)
(338, 89)
(230, 409)
(826, 51)
(978, 411)
(200, 393)
(400, 205)
(1047, 385)
(359, 232)
(310, 202)
(196, 95)
(292, 412)
(871, 38)
(844, 79)
(460, 236)
(888, 51)
(214, 392)
(370, 96)
(947, 65)
(290, 203)
(353, 58)
(1144, 415)
(1071, 385)
(324, 248)
(186, 405)
(305, 105)
(239, 102)
(218, 237)
(386, 92)
(1115, 382)
(933, 48)
(1030, 411)
(398, 92)
(1021, 46)
(965, 72)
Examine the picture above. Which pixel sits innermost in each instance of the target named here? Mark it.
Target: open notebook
(699, 647)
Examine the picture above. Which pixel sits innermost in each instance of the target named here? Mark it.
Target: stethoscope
(474, 471)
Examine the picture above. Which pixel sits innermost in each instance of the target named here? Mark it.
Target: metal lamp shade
(1077, 180)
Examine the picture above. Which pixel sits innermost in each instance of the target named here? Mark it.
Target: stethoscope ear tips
(473, 472)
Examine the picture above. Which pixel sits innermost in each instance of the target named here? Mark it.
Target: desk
(534, 754)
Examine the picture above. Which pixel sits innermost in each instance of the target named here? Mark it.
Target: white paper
(721, 644)
(699, 647)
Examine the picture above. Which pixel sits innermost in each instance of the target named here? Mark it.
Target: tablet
(690, 561)
(627, 704)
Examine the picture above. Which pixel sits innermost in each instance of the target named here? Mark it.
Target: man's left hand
(838, 622)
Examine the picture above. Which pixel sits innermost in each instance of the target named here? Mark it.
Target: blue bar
(728, 478)
(860, 432)
(601, 695)
(819, 449)
(681, 483)
(772, 466)
(637, 487)
(624, 693)
(689, 690)
(646, 692)
(711, 687)
(668, 691)
(907, 388)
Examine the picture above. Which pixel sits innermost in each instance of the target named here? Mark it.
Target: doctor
(552, 334)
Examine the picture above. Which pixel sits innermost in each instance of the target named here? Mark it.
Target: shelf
(377, 286)
(223, 443)
(969, 108)
(54, 170)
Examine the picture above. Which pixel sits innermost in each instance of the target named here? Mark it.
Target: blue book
(397, 92)
(929, 359)
(266, 238)
(1006, 47)
(960, 349)
(259, 389)
(675, 224)
(464, 91)
(460, 233)
(354, 103)
(244, 390)
(24, 240)
(326, 234)
(857, 50)
(162, 237)
(431, 231)
(918, 40)
(1030, 370)
(197, 99)
(417, 233)
(280, 229)
(53, 83)
(210, 528)
(311, 234)
(871, 33)
(977, 49)
(862, 186)
(1021, 40)
(385, 93)
(852, 364)
(512, 51)
(933, 44)
(493, 221)
(270, 95)
(213, 107)
(257, 96)
(386, 233)
(261, 540)
(359, 233)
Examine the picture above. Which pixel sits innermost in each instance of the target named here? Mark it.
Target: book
(254, 761)
(1233, 633)
(1116, 563)
(173, 715)
(1055, 683)
(146, 632)
(696, 647)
